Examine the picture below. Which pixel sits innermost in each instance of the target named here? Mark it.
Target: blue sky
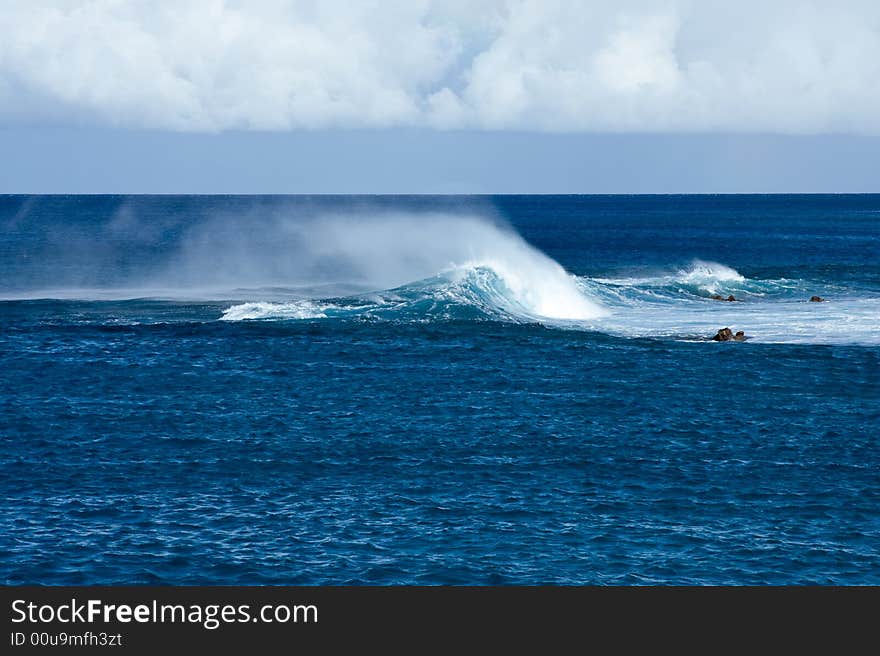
(103, 160)
(439, 96)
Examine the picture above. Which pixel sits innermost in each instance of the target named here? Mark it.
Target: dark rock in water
(817, 299)
(730, 298)
(719, 297)
(726, 335)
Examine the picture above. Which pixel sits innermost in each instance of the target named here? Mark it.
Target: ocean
(439, 390)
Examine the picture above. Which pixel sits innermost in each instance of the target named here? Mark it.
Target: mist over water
(281, 254)
(373, 252)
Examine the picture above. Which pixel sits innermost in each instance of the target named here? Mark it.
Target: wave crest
(492, 290)
(435, 263)
(708, 276)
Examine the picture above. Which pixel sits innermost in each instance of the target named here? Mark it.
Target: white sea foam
(840, 321)
(531, 284)
(304, 309)
(708, 275)
(769, 311)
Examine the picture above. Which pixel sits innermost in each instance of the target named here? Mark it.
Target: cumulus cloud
(546, 65)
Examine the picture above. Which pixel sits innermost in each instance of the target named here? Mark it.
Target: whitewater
(491, 272)
(676, 306)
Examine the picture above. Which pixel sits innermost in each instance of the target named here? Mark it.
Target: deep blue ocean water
(439, 390)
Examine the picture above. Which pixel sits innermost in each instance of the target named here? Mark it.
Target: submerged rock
(727, 335)
(816, 299)
(719, 297)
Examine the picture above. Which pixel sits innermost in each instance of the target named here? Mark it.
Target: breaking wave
(677, 304)
(442, 266)
(491, 291)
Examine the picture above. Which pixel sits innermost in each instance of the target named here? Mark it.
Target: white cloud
(557, 65)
